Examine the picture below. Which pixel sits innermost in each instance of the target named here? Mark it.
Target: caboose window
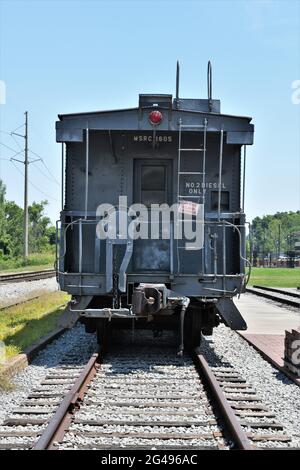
(153, 184)
(224, 200)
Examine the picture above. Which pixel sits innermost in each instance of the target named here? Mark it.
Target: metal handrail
(240, 249)
(216, 223)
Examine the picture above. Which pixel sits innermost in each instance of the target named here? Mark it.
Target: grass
(38, 267)
(35, 262)
(23, 324)
(275, 277)
(5, 384)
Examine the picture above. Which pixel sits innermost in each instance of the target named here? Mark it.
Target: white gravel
(75, 346)
(278, 393)
(128, 388)
(16, 292)
(224, 349)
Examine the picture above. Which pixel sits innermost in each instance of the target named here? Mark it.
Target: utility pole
(26, 163)
(279, 239)
(25, 253)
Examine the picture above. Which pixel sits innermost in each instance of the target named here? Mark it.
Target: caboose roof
(91, 113)
(191, 112)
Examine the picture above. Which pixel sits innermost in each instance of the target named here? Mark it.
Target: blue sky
(68, 56)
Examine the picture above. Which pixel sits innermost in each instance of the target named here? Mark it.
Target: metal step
(197, 197)
(190, 173)
(191, 150)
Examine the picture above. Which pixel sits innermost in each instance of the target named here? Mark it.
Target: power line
(13, 150)
(19, 127)
(43, 162)
(42, 192)
(12, 136)
(32, 184)
(5, 132)
(15, 155)
(53, 177)
(26, 163)
(8, 147)
(18, 169)
(15, 140)
(42, 173)
(31, 151)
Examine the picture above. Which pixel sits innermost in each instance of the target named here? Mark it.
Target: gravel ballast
(75, 346)
(145, 383)
(277, 391)
(16, 292)
(128, 376)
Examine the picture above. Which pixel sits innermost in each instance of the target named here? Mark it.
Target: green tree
(4, 239)
(42, 235)
(38, 227)
(272, 233)
(14, 228)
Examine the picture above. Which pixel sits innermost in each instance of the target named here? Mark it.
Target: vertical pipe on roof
(209, 85)
(177, 81)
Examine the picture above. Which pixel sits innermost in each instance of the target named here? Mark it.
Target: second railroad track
(286, 296)
(26, 276)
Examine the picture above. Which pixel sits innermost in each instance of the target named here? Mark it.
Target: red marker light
(155, 117)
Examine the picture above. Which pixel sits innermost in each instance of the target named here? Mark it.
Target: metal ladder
(200, 199)
(180, 197)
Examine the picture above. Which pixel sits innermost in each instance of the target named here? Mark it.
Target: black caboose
(166, 153)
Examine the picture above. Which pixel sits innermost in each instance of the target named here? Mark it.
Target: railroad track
(22, 301)
(27, 276)
(291, 298)
(141, 398)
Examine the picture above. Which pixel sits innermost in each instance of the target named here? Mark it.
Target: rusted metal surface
(240, 437)
(61, 419)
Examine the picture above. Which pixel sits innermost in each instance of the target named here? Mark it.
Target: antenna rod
(209, 84)
(177, 80)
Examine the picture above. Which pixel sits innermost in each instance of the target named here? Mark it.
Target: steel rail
(240, 437)
(267, 294)
(278, 291)
(27, 276)
(60, 421)
(14, 304)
